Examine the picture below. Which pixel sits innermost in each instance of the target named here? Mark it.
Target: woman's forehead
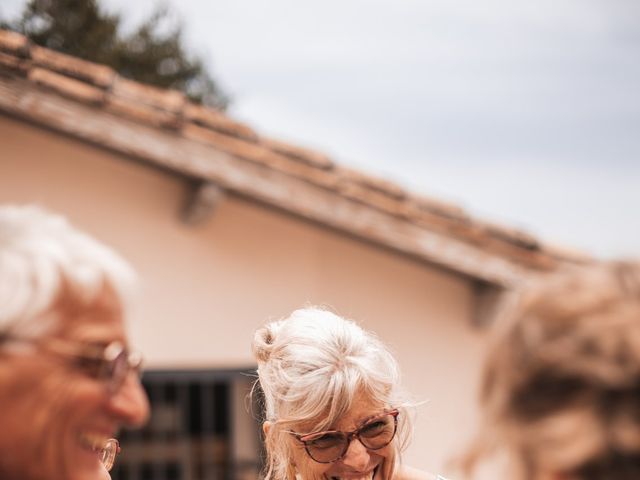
(345, 416)
(362, 409)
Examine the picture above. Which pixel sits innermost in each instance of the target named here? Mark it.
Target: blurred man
(68, 380)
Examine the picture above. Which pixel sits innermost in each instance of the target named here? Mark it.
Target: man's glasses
(110, 364)
(108, 452)
(331, 445)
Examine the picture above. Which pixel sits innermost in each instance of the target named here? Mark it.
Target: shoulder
(409, 473)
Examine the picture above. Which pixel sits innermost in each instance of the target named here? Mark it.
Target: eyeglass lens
(118, 363)
(331, 446)
(117, 370)
(108, 453)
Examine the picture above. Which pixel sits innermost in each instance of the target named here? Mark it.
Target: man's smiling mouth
(92, 441)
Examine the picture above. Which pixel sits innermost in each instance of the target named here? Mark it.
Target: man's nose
(130, 403)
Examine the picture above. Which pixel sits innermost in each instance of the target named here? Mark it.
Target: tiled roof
(420, 226)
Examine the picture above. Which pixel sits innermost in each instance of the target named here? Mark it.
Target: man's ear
(266, 426)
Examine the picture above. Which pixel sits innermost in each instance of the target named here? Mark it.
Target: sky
(524, 113)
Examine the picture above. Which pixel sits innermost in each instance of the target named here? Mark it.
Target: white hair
(311, 367)
(42, 257)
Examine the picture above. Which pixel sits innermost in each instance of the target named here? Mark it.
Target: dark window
(200, 429)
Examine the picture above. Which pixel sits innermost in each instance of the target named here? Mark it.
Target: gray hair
(560, 385)
(42, 258)
(311, 366)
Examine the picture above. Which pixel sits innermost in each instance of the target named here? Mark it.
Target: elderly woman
(68, 380)
(332, 401)
(561, 389)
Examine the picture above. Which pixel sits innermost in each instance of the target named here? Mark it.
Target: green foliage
(153, 53)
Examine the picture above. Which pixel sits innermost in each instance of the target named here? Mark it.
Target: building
(228, 229)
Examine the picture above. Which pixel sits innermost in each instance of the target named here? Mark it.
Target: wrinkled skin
(50, 406)
(359, 463)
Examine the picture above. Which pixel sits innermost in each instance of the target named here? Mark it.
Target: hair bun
(264, 340)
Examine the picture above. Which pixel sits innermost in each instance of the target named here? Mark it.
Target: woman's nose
(130, 403)
(357, 456)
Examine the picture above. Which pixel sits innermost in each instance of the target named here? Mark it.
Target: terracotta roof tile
(512, 235)
(349, 177)
(537, 259)
(13, 63)
(234, 146)
(98, 75)
(259, 154)
(438, 207)
(465, 229)
(375, 198)
(66, 86)
(143, 113)
(216, 120)
(14, 43)
(421, 216)
(127, 90)
(310, 157)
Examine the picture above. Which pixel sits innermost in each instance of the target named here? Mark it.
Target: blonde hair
(42, 259)
(311, 366)
(561, 385)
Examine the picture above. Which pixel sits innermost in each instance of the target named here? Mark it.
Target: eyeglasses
(110, 364)
(331, 445)
(108, 453)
